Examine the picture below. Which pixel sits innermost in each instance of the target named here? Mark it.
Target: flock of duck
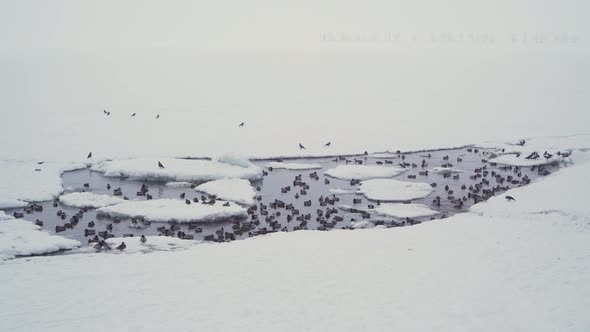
(305, 202)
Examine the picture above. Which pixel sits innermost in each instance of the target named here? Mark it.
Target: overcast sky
(492, 58)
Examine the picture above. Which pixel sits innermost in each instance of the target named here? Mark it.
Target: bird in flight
(241, 124)
(328, 144)
(158, 116)
(133, 114)
(509, 198)
(89, 155)
(301, 146)
(160, 165)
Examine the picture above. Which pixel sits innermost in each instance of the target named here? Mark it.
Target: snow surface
(176, 170)
(134, 245)
(236, 190)
(516, 266)
(362, 172)
(397, 210)
(394, 190)
(88, 199)
(173, 210)
(19, 237)
(292, 166)
(21, 183)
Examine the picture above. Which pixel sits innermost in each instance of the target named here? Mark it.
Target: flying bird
(133, 114)
(158, 116)
(301, 146)
(160, 165)
(241, 124)
(89, 155)
(328, 144)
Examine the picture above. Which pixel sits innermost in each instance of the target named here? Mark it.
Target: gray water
(270, 189)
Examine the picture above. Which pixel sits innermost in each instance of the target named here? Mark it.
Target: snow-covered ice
(88, 199)
(292, 166)
(394, 190)
(28, 181)
(339, 191)
(176, 170)
(362, 172)
(134, 245)
(397, 210)
(19, 237)
(237, 190)
(527, 264)
(173, 210)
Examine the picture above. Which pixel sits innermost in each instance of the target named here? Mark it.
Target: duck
(143, 239)
(122, 246)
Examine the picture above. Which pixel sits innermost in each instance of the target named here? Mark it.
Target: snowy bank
(134, 245)
(176, 170)
(28, 181)
(88, 199)
(20, 237)
(445, 170)
(397, 210)
(362, 172)
(520, 160)
(394, 190)
(173, 210)
(292, 166)
(236, 190)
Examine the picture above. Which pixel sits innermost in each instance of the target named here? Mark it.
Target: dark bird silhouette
(89, 155)
(328, 144)
(301, 146)
(160, 165)
(143, 239)
(509, 198)
(104, 111)
(241, 124)
(122, 246)
(133, 114)
(547, 155)
(158, 116)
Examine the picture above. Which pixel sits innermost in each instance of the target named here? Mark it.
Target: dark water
(270, 189)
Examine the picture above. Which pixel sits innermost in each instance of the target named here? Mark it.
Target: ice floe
(292, 166)
(237, 190)
(88, 199)
(394, 190)
(397, 210)
(22, 182)
(362, 172)
(19, 237)
(176, 170)
(173, 210)
(338, 191)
